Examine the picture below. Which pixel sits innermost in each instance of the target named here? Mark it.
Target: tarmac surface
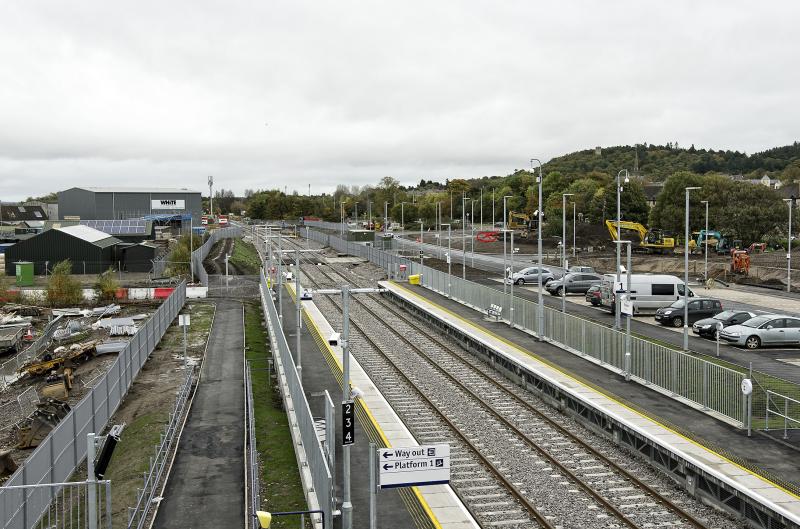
(777, 458)
(393, 511)
(775, 361)
(206, 485)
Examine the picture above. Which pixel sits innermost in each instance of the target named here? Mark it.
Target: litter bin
(414, 279)
(24, 273)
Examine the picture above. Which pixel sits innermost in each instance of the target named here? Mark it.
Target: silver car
(772, 329)
(531, 275)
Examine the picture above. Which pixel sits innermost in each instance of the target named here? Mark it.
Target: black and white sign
(168, 203)
(348, 422)
(414, 466)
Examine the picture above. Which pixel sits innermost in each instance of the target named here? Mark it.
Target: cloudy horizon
(298, 93)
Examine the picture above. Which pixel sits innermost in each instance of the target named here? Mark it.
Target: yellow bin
(414, 279)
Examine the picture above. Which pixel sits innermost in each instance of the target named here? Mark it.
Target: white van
(649, 292)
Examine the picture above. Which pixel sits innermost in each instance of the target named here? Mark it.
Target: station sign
(414, 466)
(348, 422)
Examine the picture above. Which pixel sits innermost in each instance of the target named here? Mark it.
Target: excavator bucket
(41, 422)
(7, 465)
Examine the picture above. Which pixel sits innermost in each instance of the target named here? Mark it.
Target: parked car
(699, 308)
(708, 327)
(593, 295)
(584, 269)
(649, 292)
(773, 329)
(531, 275)
(573, 282)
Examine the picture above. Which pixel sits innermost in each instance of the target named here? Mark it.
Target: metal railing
(9, 368)
(67, 504)
(60, 453)
(253, 472)
(200, 254)
(709, 385)
(782, 409)
(316, 461)
(139, 514)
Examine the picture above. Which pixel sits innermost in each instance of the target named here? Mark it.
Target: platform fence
(253, 469)
(62, 451)
(316, 461)
(67, 504)
(200, 254)
(711, 386)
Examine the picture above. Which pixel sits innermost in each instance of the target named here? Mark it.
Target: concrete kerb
(183, 423)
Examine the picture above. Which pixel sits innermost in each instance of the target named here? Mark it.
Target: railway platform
(710, 458)
(431, 507)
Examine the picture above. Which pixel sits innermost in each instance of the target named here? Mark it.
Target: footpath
(206, 485)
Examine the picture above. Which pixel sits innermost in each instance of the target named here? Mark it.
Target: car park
(708, 327)
(593, 295)
(773, 329)
(649, 292)
(573, 282)
(699, 308)
(531, 275)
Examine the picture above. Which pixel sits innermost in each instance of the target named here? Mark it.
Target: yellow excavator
(522, 222)
(651, 241)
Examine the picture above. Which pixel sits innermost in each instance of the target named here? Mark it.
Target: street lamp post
(627, 366)
(449, 259)
(402, 216)
(686, 273)
(540, 308)
(511, 290)
(464, 236)
(564, 229)
(385, 217)
(574, 228)
(705, 243)
(619, 236)
(481, 208)
(505, 229)
(790, 203)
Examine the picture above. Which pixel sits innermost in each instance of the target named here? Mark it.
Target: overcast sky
(291, 93)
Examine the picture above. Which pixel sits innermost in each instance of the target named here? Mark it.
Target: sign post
(414, 466)
(348, 423)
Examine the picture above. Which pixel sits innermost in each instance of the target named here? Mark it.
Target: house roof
(127, 227)
(17, 213)
(90, 235)
(138, 190)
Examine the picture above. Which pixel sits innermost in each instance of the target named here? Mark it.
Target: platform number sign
(348, 422)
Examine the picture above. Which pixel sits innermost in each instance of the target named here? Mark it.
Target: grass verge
(281, 488)
(245, 258)
(147, 406)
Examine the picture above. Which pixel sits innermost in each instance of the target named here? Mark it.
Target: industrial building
(93, 203)
(91, 251)
(129, 230)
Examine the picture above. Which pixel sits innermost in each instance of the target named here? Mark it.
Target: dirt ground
(85, 375)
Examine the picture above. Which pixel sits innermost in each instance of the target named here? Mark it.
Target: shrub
(62, 288)
(106, 286)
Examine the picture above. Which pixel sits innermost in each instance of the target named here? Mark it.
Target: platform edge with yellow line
(762, 491)
(314, 319)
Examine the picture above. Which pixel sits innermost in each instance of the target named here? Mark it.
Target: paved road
(767, 360)
(206, 486)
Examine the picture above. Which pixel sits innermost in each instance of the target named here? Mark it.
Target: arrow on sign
(386, 467)
(386, 455)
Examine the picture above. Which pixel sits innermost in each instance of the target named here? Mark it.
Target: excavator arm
(626, 225)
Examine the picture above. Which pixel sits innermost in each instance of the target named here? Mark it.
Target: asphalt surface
(206, 485)
(767, 360)
(761, 450)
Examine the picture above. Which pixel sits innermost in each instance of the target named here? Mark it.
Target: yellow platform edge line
(417, 493)
(557, 368)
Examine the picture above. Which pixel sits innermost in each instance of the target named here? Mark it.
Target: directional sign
(414, 466)
(348, 423)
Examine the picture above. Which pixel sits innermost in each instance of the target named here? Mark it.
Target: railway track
(560, 481)
(516, 460)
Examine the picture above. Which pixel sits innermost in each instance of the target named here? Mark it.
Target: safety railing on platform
(139, 514)
(253, 481)
(313, 451)
(782, 413)
(60, 453)
(707, 384)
